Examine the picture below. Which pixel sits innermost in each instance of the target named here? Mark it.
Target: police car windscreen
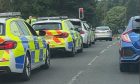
(47, 26)
(2, 30)
(76, 24)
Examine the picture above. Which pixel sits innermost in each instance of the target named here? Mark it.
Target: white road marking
(102, 51)
(110, 45)
(93, 60)
(75, 77)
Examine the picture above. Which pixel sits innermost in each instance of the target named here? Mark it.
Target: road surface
(98, 64)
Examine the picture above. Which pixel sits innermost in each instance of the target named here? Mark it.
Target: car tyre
(72, 53)
(47, 60)
(124, 67)
(110, 39)
(80, 50)
(27, 69)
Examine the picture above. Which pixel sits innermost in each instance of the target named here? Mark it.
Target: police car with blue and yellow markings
(60, 35)
(21, 49)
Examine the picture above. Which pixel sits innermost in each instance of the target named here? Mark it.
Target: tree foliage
(116, 17)
(50, 7)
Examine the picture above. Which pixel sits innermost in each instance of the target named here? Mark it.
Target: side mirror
(42, 33)
(78, 29)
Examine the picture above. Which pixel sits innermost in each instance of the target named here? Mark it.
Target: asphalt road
(98, 64)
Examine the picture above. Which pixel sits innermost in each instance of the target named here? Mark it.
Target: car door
(40, 44)
(28, 40)
(74, 33)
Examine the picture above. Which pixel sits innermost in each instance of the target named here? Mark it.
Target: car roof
(76, 20)
(48, 21)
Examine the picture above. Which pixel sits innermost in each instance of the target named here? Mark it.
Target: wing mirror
(78, 29)
(42, 33)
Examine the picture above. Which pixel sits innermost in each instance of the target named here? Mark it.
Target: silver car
(84, 31)
(103, 33)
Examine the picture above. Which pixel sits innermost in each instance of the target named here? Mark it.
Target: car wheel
(72, 53)
(80, 50)
(93, 42)
(47, 60)
(86, 45)
(124, 67)
(110, 39)
(27, 69)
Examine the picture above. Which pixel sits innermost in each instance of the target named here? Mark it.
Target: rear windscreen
(2, 30)
(76, 24)
(47, 26)
(102, 28)
(136, 24)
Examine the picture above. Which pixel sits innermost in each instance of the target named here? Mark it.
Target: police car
(21, 49)
(60, 35)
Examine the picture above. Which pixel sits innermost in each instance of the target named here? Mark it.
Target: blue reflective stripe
(19, 62)
(36, 42)
(41, 55)
(33, 57)
(70, 45)
(24, 43)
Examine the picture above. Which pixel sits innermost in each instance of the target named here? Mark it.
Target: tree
(116, 18)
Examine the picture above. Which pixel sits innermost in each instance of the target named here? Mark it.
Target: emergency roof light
(10, 14)
(53, 18)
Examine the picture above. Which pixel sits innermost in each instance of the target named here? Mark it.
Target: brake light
(8, 45)
(125, 36)
(62, 35)
(82, 32)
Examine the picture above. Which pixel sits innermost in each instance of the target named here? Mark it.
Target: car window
(76, 24)
(24, 28)
(31, 29)
(14, 27)
(47, 26)
(2, 29)
(85, 27)
(102, 28)
(136, 23)
(70, 25)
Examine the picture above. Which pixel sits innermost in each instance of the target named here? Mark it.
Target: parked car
(130, 46)
(61, 35)
(103, 33)
(92, 34)
(84, 31)
(21, 49)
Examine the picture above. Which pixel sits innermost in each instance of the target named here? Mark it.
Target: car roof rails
(10, 14)
(53, 18)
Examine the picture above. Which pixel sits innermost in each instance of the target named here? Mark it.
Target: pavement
(98, 64)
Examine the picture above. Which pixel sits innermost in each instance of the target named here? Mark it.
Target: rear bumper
(100, 36)
(5, 69)
(57, 49)
(129, 54)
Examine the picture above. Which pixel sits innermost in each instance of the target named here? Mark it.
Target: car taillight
(125, 36)
(8, 45)
(62, 35)
(82, 32)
